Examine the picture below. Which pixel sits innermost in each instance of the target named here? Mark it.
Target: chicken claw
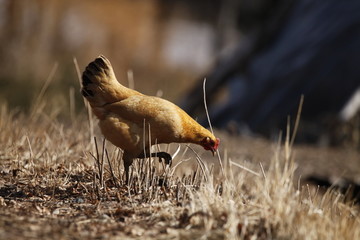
(161, 155)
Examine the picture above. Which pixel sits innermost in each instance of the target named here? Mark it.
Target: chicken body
(133, 121)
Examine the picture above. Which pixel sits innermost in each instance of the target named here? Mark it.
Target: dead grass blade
(208, 118)
(36, 105)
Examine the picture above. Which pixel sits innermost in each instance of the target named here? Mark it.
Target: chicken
(127, 117)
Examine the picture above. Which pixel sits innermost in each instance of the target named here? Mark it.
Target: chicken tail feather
(99, 84)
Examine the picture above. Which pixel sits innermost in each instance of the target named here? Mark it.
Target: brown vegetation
(58, 183)
(55, 184)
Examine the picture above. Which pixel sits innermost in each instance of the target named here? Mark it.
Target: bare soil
(53, 185)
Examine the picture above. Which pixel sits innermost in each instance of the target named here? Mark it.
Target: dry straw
(51, 187)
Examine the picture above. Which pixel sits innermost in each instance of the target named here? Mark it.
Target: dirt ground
(333, 162)
(51, 188)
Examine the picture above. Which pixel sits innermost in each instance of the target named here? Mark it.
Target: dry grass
(55, 184)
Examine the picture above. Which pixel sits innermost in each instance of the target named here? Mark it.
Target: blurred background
(166, 44)
(259, 58)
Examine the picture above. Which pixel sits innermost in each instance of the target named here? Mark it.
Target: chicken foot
(161, 155)
(128, 159)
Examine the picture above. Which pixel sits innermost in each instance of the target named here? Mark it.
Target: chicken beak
(213, 152)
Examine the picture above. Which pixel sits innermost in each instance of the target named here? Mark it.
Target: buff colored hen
(125, 116)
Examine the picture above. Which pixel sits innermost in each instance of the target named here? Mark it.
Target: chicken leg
(128, 160)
